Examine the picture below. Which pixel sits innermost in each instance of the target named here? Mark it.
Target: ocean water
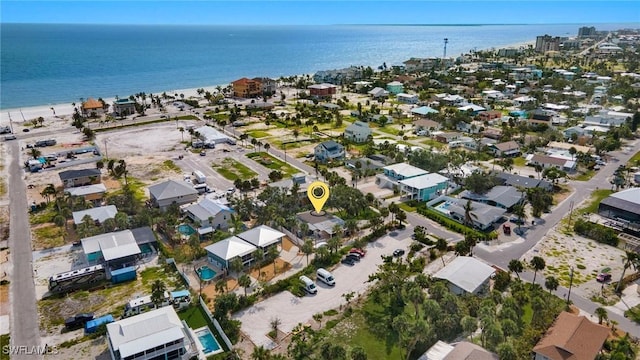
(53, 63)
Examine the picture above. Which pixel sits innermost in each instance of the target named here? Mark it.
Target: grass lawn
(406, 207)
(268, 161)
(186, 117)
(596, 198)
(585, 176)
(635, 160)
(4, 340)
(433, 143)
(42, 216)
(233, 170)
(519, 161)
(633, 314)
(170, 165)
(48, 236)
(388, 130)
(258, 134)
(194, 316)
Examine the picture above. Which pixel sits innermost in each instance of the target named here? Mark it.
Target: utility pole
(106, 152)
(570, 285)
(10, 122)
(570, 212)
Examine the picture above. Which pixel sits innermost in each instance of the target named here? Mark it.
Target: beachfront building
(246, 88)
(322, 90)
(328, 151)
(124, 107)
(268, 85)
(357, 132)
(157, 334)
(92, 108)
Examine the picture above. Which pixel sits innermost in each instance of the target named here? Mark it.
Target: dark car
(398, 252)
(25, 130)
(353, 256)
(348, 261)
(516, 220)
(78, 321)
(603, 277)
(202, 153)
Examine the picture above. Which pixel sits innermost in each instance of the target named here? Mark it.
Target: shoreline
(63, 111)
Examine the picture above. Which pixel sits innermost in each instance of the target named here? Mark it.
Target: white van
(325, 276)
(309, 285)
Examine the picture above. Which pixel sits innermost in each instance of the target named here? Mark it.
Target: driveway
(256, 319)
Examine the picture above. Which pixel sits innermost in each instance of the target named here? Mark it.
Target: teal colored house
(395, 87)
(424, 187)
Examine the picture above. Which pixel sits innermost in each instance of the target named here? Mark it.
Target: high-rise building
(586, 31)
(547, 43)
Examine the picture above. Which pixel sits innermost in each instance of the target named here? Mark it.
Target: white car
(231, 190)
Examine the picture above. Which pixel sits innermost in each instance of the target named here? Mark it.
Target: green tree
(516, 267)
(236, 265)
(601, 313)
(630, 259)
(506, 351)
(551, 283)
(538, 264)
(272, 255)
(307, 248)
(358, 353)
(158, 289)
(245, 282)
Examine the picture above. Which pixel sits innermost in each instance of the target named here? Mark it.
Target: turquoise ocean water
(52, 63)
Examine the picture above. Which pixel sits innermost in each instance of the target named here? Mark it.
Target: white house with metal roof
(210, 214)
(222, 253)
(99, 214)
(114, 248)
(466, 275)
(166, 193)
(262, 237)
(358, 132)
(157, 334)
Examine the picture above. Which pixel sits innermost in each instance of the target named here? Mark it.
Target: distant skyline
(321, 12)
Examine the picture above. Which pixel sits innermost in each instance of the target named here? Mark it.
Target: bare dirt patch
(267, 273)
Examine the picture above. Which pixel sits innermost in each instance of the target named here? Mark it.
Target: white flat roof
(424, 181)
(114, 245)
(405, 169)
(261, 236)
(86, 190)
(145, 331)
(100, 214)
(466, 273)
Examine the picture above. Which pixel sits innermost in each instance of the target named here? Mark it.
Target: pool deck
(201, 347)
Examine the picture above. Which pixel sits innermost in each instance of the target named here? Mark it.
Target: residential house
(92, 193)
(124, 107)
(483, 216)
(607, 119)
(489, 115)
(338, 76)
(492, 133)
(378, 93)
(424, 187)
(357, 132)
(462, 350)
(322, 90)
(426, 125)
(423, 111)
(523, 181)
(540, 116)
(157, 334)
(329, 151)
(505, 149)
(262, 237)
(469, 128)
(395, 87)
(222, 253)
(247, 88)
(210, 214)
(466, 275)
(73, 178)
(451, 100)
(267, 85)
(168, 192)
(322, 226)
(116, 249)
(473, 109)
(287, 184)
(501, 196)
(571, 337)
(524, 100)
(366, 163)
(92, 108)
(361, 84)
(98, 214)
(401, 171)
(550, 161)
(407, 98)
(447, 137)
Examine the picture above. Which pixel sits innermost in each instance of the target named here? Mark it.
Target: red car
(603, 277)
(358, 251)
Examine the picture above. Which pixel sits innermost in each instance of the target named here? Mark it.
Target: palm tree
(468, 214)
(307, 249)
(272, 255)
(181, 129)
(158, 289)
(516, 266)
(601, 313)
(551, 283)
(630, 259)
(260, 353)
(35, 153)
(518, 210)
(245, 282)
(266, 147)
(537, 263)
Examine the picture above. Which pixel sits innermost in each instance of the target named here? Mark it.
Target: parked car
(398, 252)
(603, 277)
(203, 153)
(516, 220)
(348, 261)
(78, 321)
(353, 256)
(358, 251)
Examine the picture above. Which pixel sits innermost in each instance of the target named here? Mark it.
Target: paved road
(25, 328)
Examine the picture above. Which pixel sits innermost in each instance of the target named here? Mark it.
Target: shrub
(597, 232)
(455, 226)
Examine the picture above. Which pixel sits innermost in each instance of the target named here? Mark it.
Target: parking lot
(256, 319)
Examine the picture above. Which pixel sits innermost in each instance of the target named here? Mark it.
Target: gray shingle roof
(171, 189)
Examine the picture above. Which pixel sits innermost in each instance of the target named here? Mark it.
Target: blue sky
(321, 12)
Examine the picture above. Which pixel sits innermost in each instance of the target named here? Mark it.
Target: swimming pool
(209, 343)
(186, 229)
(206, 273)
(442, 207)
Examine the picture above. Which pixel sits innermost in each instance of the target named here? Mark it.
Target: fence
(215, 323)
(184, 275)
